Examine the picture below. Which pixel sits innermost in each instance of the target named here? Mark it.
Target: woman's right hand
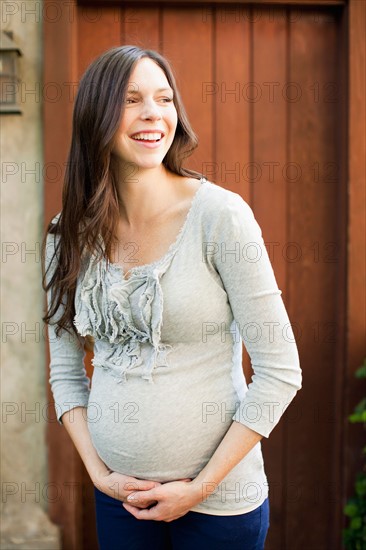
(119, 486)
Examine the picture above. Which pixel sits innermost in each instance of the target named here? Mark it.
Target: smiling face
(149, 112)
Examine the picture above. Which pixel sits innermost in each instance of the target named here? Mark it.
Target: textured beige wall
(25, 493)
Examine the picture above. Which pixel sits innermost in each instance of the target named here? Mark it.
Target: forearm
(76, 425)
(236, 444)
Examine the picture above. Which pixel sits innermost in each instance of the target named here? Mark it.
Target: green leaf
(354, 536)
(355, 417)
(361, 372)
(360, 486)
(356, 523)
(350, 509)
(361, 407)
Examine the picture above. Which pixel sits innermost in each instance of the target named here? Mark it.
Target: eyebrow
(159, 90)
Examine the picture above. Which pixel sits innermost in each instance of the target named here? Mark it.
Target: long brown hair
(90, 202)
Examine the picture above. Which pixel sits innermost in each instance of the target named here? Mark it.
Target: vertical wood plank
(313, 103)
(99, 28)
(142, 27)
(187, 36)
(339, 410)
(60, 36)
(231, 104)
(356, 291)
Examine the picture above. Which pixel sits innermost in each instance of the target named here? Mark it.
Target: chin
(149, 164)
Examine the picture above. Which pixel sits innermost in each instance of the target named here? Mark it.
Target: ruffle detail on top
(122, 315)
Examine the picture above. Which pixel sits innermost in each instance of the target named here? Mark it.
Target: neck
(143, 192)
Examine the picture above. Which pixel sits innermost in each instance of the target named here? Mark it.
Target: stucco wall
(25, 493)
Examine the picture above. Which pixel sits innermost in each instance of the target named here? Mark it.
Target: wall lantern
(9, 53)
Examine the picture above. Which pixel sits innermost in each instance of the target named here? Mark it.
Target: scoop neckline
(138, 269)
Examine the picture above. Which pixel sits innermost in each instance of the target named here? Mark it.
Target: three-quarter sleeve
(242, 261)
(68, 379)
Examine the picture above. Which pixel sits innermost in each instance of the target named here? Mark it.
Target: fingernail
(131, 497)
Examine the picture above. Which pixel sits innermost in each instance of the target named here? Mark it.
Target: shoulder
(222, 204)
(228, 217)
(52, 229)
(55, 218)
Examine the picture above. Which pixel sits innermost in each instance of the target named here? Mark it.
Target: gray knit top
(168, 379)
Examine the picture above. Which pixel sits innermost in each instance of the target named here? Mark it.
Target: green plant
(354, 535)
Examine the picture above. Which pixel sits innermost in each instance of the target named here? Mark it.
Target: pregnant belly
(156, 431)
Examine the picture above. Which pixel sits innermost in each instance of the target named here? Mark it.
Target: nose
(150, 110)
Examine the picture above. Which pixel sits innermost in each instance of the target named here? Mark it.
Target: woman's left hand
(174, 499)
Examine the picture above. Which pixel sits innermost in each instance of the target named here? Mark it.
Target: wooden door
(265, 88)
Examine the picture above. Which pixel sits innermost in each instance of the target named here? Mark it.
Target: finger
(149, 482)
(146, 485)
(144, 505)
(142, 496)
(143, 485)
(140, 513)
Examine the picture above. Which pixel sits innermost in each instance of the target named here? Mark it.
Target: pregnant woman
(165, 274)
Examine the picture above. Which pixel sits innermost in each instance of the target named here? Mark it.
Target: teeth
(148, 137)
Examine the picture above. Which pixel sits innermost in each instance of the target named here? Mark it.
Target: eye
(164, 99)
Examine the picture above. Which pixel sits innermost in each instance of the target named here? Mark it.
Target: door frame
(60, 56)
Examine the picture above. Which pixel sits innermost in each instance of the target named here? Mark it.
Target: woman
(166, 273)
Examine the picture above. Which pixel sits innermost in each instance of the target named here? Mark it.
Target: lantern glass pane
(7, 63)
(8, 89)
(8, 78)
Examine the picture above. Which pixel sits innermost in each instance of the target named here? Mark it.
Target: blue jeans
(118, 529)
